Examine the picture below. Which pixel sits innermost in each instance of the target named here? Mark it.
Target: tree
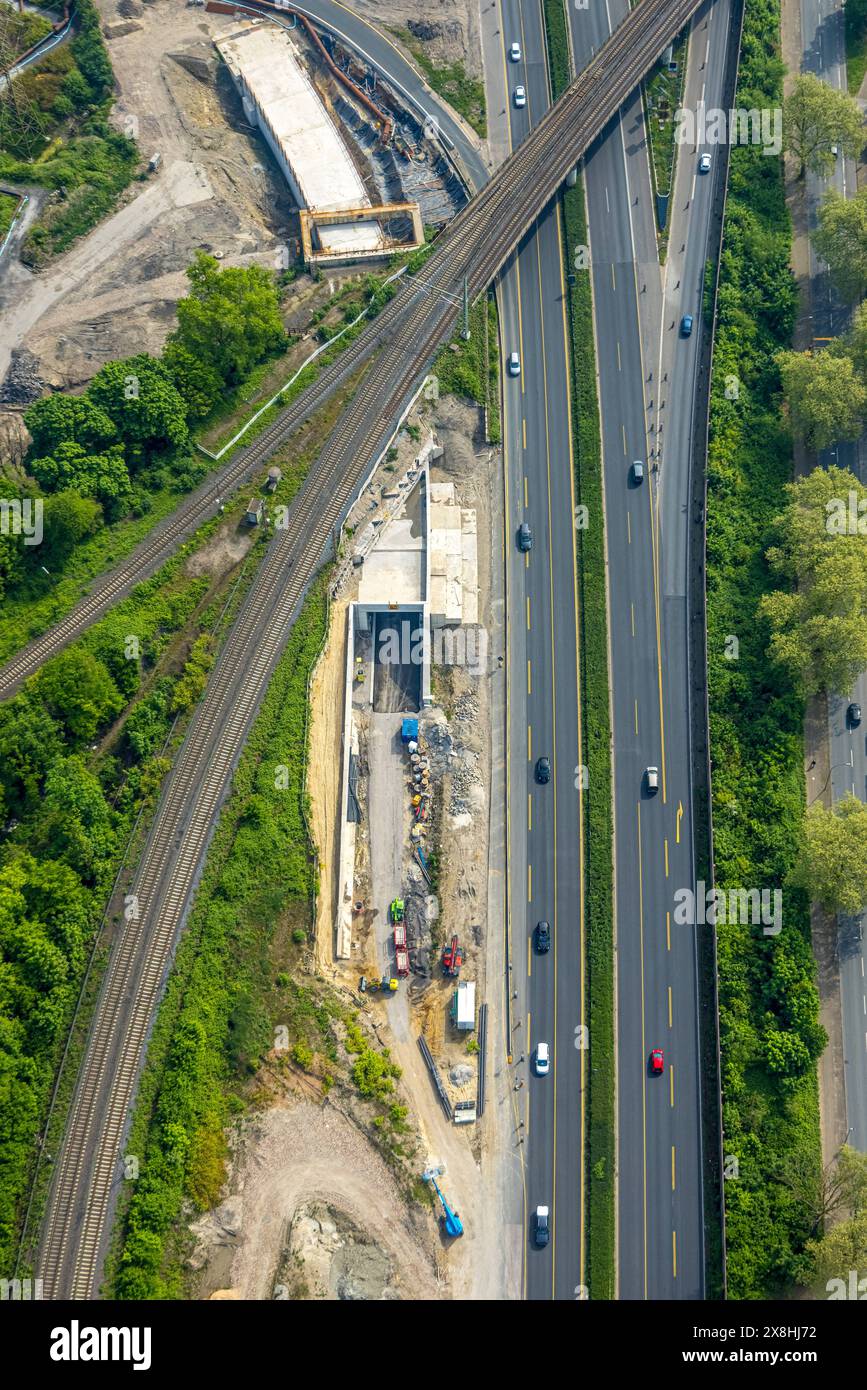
(818, 622)
(68, 519)
(816, 117)
(822, 1190)
(61, 419)
(30, 741)
(231, 318)
(77, 825)
(827, 401)
(832, 866)
(103, 476)
(140, 398)
(840, 1250)
(198, 383)
(841, 240)
(78, 692)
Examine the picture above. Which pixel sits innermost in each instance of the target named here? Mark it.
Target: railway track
(88, 1170)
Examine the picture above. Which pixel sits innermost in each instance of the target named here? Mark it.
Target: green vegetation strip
(465, 94)
(856, 44)
(593, 655)
(471, 368)
(215, 1021)
(768, 1000)
(57, 134)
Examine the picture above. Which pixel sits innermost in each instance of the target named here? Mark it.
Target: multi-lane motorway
(545, 821)
(647, 385)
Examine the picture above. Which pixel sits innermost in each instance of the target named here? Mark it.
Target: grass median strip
(593, 657)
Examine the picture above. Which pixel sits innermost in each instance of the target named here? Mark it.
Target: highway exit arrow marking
(679, 814)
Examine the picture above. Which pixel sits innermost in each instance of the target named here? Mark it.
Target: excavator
(453, 958)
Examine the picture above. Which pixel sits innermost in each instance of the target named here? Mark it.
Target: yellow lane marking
(632, 617)
(643, 1046)
(671, 1084)
(529, 959)
(668, 931)
(613, 281)
(529, 883)
(528, 612)
(526, 503)
(529, 810)
(636, 716)
(674, 1253)
(619, 368)
(524, 422)
(666, 858)
(673, 1180)
(654, 539)
(529, 678)
(669, 1006)
(623, 432)
(529, 743)
(629, 527)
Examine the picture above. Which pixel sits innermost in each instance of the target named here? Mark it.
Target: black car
(543, 770)
(525, 536)
(853, 715)
(542, 938)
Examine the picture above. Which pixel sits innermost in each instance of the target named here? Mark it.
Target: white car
(638, 471)
(652, 776)
(704, 164)
(515, 53)
(543, 1059)
(514, 364)
(520, 96)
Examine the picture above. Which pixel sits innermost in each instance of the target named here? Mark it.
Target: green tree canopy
(197, 382)
(140, 398)
(827, 399)
(68, 519)
(819, 621)
(833, 865)
(817, 116)
(231, 318)
(103, 476)
(77, 825)
(77, 690)
(30, 741)
(62, 419)
(841, 240)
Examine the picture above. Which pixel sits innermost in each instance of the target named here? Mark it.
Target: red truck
(401, 955)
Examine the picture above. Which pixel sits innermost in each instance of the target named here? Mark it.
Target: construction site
(216, 178)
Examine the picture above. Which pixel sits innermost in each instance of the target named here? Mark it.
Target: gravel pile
(23, 384)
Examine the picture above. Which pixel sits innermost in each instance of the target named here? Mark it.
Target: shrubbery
(770, 1033)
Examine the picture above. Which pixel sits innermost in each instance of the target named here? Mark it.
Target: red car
(657, 1061)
